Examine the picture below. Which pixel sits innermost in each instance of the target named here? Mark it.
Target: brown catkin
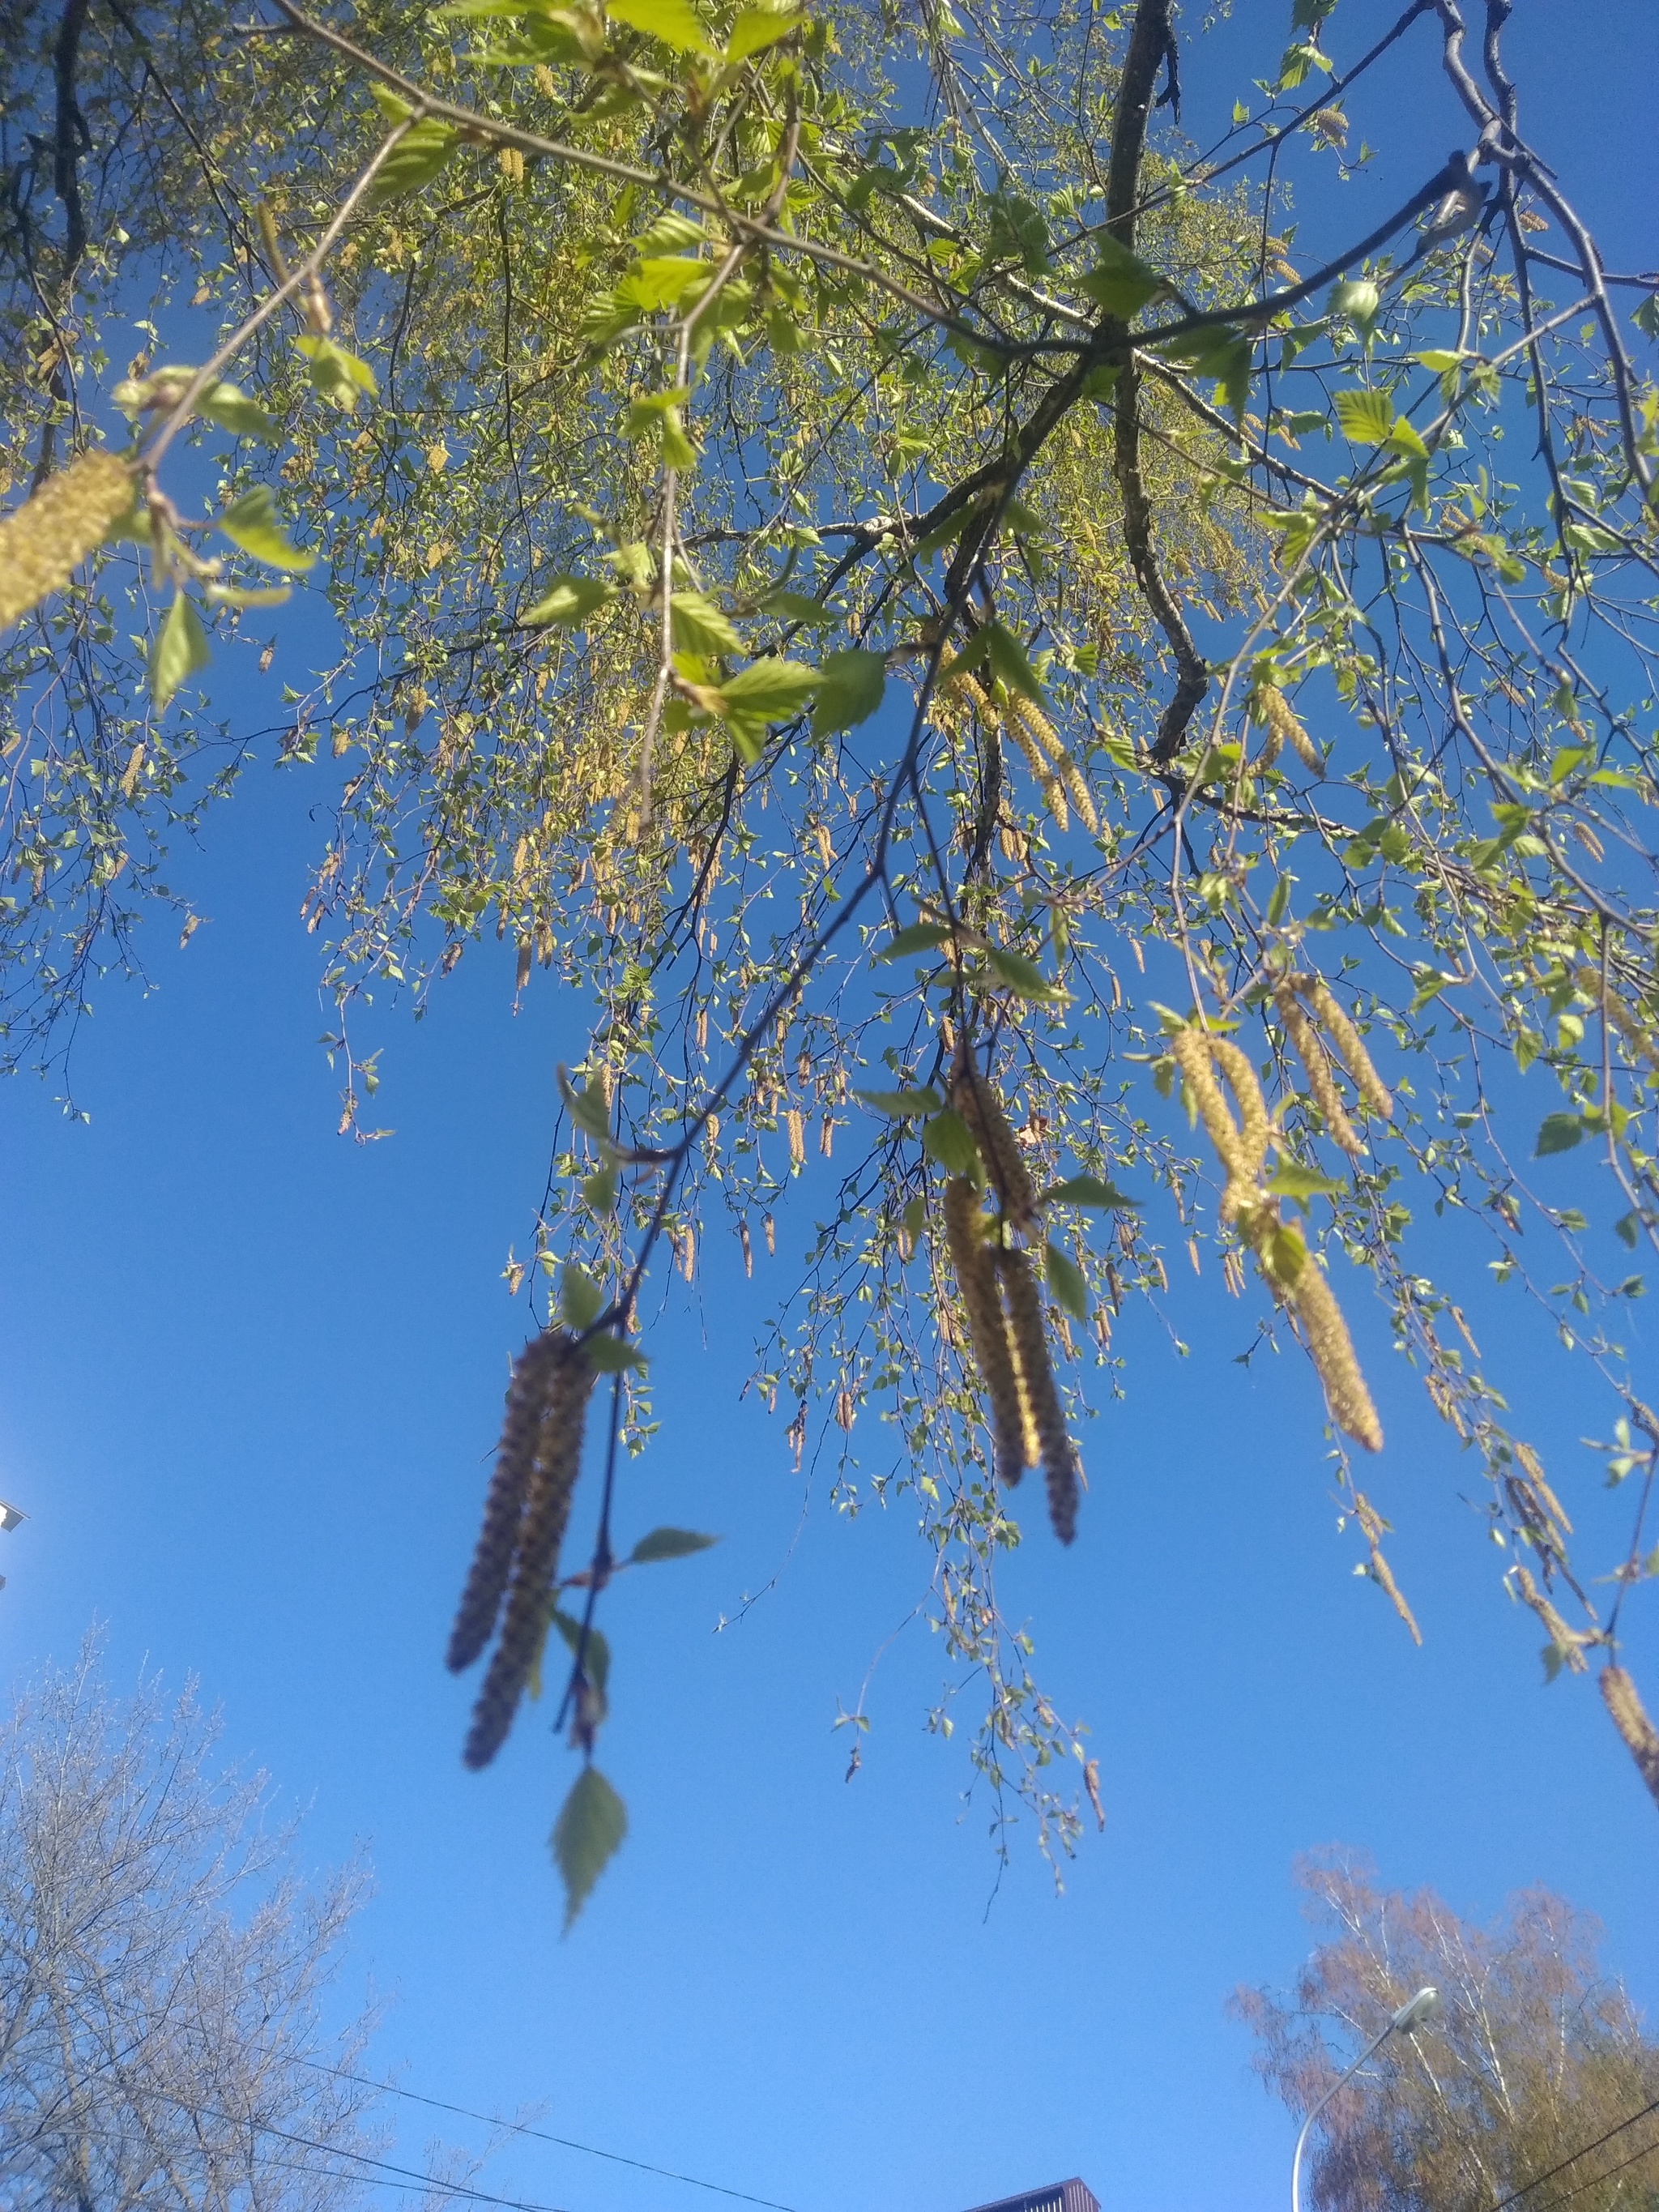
(975, 1098)
(987, 1331)
(1312, 1053)
(1058, 1457)
(44, 541)
(1350, 1049)
(1191, 1048)
(1619, 1693)
(1333, 1355)
(546, 1509)
(492, 1562)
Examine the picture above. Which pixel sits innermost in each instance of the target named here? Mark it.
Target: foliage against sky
(862, 550)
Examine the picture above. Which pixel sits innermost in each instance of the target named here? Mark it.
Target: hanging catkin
(498, 1538)
(1333, 1351)
(1350, 1047)
(975, 1098)
(1629, 1717)
(45, 540)
(1059, 1459)
(547, 1508)
(987, 1331)
(1312, 1053)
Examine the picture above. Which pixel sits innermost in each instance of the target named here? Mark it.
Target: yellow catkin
(1567, 1645)
(1025, 1329)
(975, 1098)
(1350, 1049)
(45, 541)
(492, 1562)
(1029, 716)
(1534, 1466)
(1254, 1126)
(1333, 1351)
(795, 1123)
(1191, 1048)
(987, 1330)
(1373, 1525)
(546, 1509)
(1620, 1695)
(1280, 718)
(1312, 1053)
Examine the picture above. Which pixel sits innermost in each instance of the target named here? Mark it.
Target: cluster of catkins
(525, 1512)
(1240, 1146)
(43, 543)
(1004, 1303)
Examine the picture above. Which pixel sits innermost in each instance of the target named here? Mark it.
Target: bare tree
(163, 1966)
(1536, 2079)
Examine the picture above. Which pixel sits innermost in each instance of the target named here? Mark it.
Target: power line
(565, 2142)
(1597, 2179)
(1572, 2159)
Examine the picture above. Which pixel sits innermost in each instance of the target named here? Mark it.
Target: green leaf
(668, 1544)
(1065, 1281)
(1405, 438)
(239, 595)
(599, 1190)
(767, 691)
(610, 1355)
(229, 406)
(1120, 281)
(756, 28)
(902, 1105)
(181, 650)
(415, 161)
(586, 1106)
(1087, 1190)
(1300, 1183)
(849, 691)
(1008, 662)
(1019, 973)
(1367, 417)
(659, 283)
(586, 1835)
(595, 1647)
(948, 1140)
(253, 523)
(674, 21)
(337, 374)
(672, 232)
(795, 606)
(920, 937)
(568, 599)
(581, 1300)
(700, 626)
(1356, 299)
(1559, 1133)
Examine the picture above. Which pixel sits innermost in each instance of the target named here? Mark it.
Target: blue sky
(251, 1373)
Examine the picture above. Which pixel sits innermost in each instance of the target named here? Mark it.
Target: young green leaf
(920, 937)
(595, 1647)
(768, 690)
(1019, 975)
(240, 595)
(1367, 417)
(1008, 661)
(948, 1140)
(415, 160)
(674, 21)
(586, 1837)
(700, 626)
(1300, 1184)
(1120, 281)
(902, 1105)
(586, 1106)
(181, 650)
(849, 691)
(796, 607)
(253, 523)
(756, 28)
(1065, 1281)
(610, 1355)
(1559, 1133)
(228, 406)
(568, 599)
(668, 1544)
(581, 1300)
(338, 376)
(1087, 1190)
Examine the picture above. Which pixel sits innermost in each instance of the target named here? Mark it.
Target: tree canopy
(911, 589)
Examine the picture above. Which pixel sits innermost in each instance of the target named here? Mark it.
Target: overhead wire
(1595, 2179)
(541, 2134)
(1572, 2159)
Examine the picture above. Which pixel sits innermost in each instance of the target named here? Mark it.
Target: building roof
(1073, 2196)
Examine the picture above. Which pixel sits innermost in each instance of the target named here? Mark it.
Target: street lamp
(1409, 2018)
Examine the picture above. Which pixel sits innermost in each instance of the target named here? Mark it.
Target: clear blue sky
(251, 1374)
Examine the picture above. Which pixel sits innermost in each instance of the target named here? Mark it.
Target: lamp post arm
(1370, 2051)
